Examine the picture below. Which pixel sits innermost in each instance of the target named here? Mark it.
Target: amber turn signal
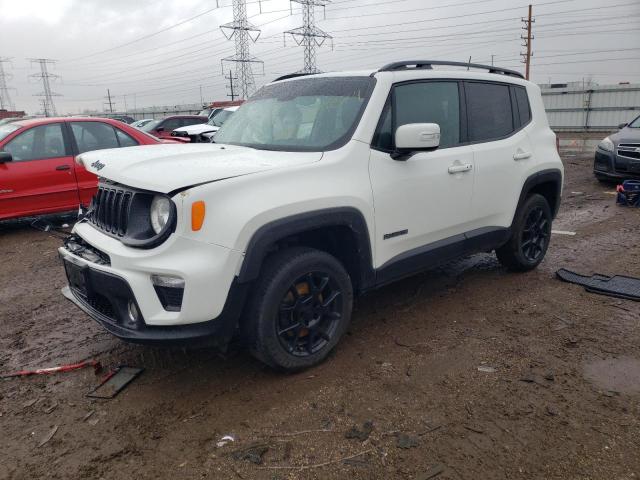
(197, 215)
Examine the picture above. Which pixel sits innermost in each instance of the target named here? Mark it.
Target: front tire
(300, 308)
(530, 235)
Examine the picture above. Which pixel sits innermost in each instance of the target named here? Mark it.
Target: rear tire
(530, 235)
(300, 308)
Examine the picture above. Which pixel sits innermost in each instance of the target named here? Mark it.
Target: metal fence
(572, 107)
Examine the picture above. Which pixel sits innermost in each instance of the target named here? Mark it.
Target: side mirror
(5, 157)
(160, 129)
(622, 125)
(415, 137)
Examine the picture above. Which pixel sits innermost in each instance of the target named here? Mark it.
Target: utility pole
(243, 34)
(5, 100)
(492, 55)
(232, 92)
(109, 102)
(309, 36)
(201, 99)
(527, 42)
(49, 108)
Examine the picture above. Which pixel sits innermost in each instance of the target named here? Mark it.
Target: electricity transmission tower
(309, 36)
(526, 56)
(48, 106)
(243, 34)
(5, 99)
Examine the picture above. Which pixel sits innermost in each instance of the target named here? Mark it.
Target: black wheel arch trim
(551, 175)
(269, 234)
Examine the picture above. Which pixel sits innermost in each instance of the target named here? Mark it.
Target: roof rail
(428, 65)
(293, 75)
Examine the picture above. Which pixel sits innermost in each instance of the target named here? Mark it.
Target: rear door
(498, 114)
(94, 135)
(40, 179)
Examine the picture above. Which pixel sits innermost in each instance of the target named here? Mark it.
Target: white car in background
(141, 123)
(203, 132)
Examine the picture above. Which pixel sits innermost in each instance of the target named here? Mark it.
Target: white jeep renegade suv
(317, 189)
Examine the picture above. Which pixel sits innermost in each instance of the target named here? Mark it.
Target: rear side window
(522, 102)
(488, 111)
(94, 136)
(37, 143)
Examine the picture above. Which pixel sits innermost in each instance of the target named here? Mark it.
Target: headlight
(160, 212)
(606, 145)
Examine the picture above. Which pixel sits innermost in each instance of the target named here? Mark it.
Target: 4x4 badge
(98, 165)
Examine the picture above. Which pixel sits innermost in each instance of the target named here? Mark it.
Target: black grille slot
(110, 209)
(629, 150)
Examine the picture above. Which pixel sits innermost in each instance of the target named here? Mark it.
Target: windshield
(219, 118)
(309, 114)
(635, 123)
(7, 129)
(149, 127)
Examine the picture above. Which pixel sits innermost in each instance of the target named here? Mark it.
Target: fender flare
(551, 175)
(261, 241)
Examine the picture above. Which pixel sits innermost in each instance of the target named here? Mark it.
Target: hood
(626, 135)
(165, 168)
(197, 129)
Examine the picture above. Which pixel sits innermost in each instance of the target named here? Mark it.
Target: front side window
(124, 139)
(191, 121)
(488, 111)
(307, 114)
(171, 124)
(635, 123)
(94, 136)
(37, 143)
(421, 102)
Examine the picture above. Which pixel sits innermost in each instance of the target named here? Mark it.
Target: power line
(5, 99)
(243, 32)
(528, 23)
(47, 101)
(309, 36)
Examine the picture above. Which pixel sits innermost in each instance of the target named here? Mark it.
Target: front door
(423, 202)
(40, 178)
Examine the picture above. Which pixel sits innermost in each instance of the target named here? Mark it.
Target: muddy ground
(464, 372)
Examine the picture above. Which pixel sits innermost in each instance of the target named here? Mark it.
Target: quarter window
(488, 111)
(522, 100)
(37, 143)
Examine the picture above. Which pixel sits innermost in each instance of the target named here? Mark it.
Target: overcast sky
(117, 44)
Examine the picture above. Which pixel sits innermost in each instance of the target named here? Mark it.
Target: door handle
(521, 155)
(460, 168)
(63, 167)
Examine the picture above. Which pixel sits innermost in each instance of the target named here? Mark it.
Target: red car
(38, 174)
(163, 127)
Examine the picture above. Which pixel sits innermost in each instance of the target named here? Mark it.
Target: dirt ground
(464, 372)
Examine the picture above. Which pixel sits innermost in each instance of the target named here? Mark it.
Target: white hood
(197, 129)
(167, 167)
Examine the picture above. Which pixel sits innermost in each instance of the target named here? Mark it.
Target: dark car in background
(163, 127)
(618, 155)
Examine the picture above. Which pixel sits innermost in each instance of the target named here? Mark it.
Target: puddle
(615, 374)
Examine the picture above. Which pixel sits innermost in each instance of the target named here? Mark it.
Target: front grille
(629, 150)
(110, 209)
